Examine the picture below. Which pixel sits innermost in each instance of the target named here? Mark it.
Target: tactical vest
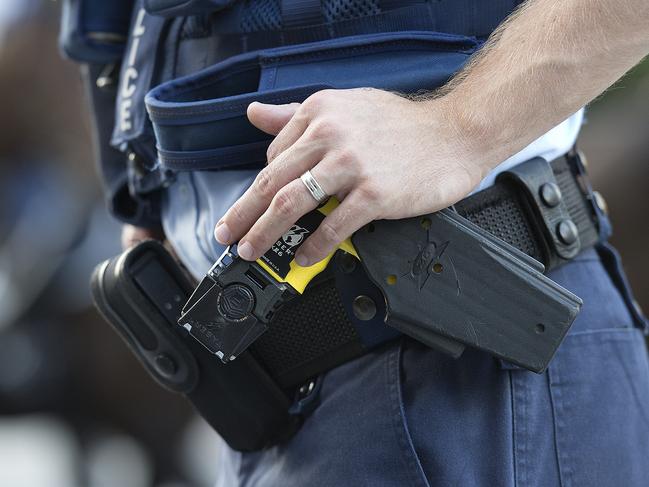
(132, 46)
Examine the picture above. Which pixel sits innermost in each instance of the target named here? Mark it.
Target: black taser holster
(141, 293)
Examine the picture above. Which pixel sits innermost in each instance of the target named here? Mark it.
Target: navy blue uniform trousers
(406, 415)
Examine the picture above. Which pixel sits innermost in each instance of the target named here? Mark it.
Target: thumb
(271, 118)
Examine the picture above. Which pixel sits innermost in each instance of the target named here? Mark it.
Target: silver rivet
(307, 389)
(567, 232)
(104, 82)
(550, 194)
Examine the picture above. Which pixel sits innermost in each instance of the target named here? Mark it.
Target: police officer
(404, 414)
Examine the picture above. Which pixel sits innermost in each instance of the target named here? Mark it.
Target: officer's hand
(383, 156)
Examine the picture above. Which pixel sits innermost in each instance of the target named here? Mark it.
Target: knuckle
(265, 184)
(314, 102)
(330, 236)
(271, 153)
(324, 129)
(369, 193)
(346, 159)
(237, 211)
(284, 203)
(317, 101)
(303, 114)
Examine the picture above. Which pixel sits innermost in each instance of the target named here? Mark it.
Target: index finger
(246, 210)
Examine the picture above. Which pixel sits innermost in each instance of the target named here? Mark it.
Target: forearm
(547, 61)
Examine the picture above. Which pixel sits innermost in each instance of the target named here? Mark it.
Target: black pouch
(174, 8)
(140, 293)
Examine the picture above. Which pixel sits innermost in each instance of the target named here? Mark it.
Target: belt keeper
(547, 208)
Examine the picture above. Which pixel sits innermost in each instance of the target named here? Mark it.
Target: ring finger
(288, 205)
(247, 209)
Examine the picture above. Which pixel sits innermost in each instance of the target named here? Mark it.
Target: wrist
(470, 140)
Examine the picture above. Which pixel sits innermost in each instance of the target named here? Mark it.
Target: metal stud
(550, 194)
(364, 308)
(108, 77)
(567, 231)
(306, 389)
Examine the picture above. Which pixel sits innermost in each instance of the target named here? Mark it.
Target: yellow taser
(279, 261)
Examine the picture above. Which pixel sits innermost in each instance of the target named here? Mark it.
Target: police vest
(239, 51)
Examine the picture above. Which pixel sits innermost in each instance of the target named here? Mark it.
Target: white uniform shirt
(553, 144)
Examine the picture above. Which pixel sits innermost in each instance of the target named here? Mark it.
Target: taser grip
(449, 283)
(299, 277)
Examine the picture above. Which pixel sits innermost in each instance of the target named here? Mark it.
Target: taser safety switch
(446, 282)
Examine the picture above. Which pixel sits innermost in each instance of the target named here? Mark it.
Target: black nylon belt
(313, 333)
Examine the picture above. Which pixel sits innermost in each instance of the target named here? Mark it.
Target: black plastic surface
(123, 289)
(232, 306)
(448, 283)
(141, 293)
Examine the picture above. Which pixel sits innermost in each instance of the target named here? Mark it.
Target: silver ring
(314, 188)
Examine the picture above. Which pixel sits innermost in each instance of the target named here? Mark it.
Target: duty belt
(260, 396)
(544, 210)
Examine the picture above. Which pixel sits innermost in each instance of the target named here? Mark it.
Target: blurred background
(76, 409)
